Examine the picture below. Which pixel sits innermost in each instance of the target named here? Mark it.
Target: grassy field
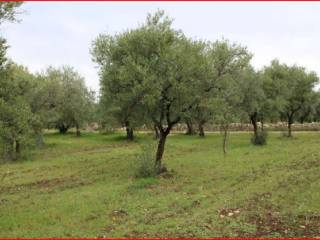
(83, 187)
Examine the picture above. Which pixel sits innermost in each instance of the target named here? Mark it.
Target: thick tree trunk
(289, 130)
(164, 132)
(160, 150)
(290, 121)
(78, 133)
(129, 131)
(63, 129)
(156, 132)
(254, 122)
(17, 150)
(190, 130)
(201, 129)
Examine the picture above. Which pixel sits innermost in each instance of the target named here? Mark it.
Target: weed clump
(144, 163)
(260, 138)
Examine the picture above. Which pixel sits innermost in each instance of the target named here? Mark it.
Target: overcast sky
(53, 33)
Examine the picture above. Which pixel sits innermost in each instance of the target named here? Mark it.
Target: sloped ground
(83, 187)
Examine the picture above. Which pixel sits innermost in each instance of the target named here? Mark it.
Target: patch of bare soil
(167, 174)
(269, 221)
(137, 234)
(229, 212)
(46, 184)
(307, 162)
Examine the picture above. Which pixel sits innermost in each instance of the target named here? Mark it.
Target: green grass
(83, 187)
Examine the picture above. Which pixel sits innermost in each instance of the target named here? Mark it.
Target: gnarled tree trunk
(290, 122)
(164, 132)
(254, 122)
(129, 131)
(160, 150)
(63, 129)
(18, 149)
(190, 130)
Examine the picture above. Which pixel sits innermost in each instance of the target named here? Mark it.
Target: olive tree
(299, 93)
(16, 117)
(308, 111)
(230, 62)
(69, 103)
(253, 97)
(226, 105)
(222, 60)
(295, 88)
(121, 63)
(150, 74)
(15, 114)
(173, 76)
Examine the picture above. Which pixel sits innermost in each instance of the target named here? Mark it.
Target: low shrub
(259, 139)
(144, 163)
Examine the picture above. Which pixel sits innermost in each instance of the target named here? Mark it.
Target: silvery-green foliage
(66, 101)
(16, 117)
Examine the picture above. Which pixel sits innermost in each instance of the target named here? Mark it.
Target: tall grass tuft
(144, 163)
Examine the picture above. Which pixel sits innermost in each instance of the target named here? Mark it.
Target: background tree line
(54, 98)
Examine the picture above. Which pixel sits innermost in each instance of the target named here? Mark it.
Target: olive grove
(156, 74)
(156, 77)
